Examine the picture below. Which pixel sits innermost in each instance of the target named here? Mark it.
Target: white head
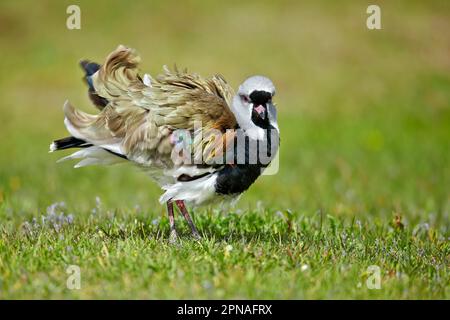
(253, 107)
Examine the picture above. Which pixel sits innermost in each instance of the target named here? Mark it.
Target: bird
(200, 141)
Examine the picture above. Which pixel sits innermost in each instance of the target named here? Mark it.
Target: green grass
(364, 118)
(256, 254)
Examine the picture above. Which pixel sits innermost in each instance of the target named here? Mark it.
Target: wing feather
(140, 118)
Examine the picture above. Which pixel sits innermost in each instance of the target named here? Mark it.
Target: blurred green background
(364, 114)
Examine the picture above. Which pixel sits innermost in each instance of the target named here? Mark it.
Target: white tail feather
(93, 156)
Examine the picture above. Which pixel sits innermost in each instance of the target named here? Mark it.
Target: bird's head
(253, 106)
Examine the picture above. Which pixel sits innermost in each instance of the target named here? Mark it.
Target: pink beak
(261, 111)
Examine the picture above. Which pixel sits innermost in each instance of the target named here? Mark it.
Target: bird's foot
(196, 235)
(173, 237)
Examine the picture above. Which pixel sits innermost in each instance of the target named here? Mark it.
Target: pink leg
(182, 207)
(173, 231)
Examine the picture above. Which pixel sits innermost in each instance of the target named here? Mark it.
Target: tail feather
(67, 143)
(106, 84)
(93, 155)
(89, 153)
(92, 128)
(91, 68)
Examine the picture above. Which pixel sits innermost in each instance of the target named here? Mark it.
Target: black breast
(238, 177)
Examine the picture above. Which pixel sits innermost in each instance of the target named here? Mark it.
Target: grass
(257, 254)
(364, 176)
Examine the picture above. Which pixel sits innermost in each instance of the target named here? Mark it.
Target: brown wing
(139, 119)
(188, 101)
(180, 99)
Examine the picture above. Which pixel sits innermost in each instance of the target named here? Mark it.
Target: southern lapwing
(194, 136)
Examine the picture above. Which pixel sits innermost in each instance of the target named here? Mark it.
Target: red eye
(245, 98)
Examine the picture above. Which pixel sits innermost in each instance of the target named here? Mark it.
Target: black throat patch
(260, 98)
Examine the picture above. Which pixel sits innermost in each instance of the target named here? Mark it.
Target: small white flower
(304, 267)
(227, 250)
(98, 202)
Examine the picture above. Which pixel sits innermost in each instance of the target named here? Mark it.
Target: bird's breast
(235, 179)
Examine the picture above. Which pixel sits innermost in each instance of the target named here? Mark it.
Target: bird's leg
(182, 207)
(173, 232)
